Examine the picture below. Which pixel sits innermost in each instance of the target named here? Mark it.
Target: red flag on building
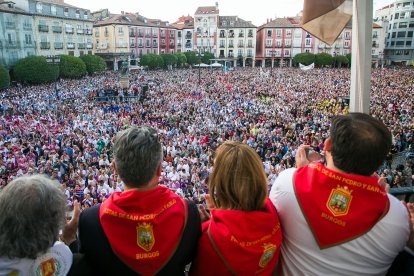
(325, 19)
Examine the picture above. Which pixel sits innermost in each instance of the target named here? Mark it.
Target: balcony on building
(154, 34)
(70, 45)
(179, 44)
(250, 34)
(222, 35)
(58, 45)
(29, 44)
(132, 34)
(88, 31)
(132, 45)
(230, 55)
(240, 45)
(57, 29)
(375, 44)
(89, 45)
(69, 30)
(222, 46)
(172, 45)
(81, 45)
(163, 45)
(140, 34)
(171, 35)
(250, 45)
(44, 45)
(147, 35)
(43, 28)
(10, 25)
(249, 55)
(241, 34)
(140, 45)
(27, 27)
(79, 31)
(162, 35)
(231, 46)
(12, 44)
(188, 45)
(268, 45)
(188, 35)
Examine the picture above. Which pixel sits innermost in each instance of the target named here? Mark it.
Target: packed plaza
(68, 134)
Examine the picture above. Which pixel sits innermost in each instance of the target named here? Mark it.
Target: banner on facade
(306, 68)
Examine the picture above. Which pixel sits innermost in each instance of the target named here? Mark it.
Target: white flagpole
(361, 55)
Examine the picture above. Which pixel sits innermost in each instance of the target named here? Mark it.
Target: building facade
(399, 19)
(205, 29)
(185, 29)
(17, 40)
(236, 41)
(60, 28)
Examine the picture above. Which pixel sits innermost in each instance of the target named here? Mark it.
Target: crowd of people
(67, 134)
(224, 141)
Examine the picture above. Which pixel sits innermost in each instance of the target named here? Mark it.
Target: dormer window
(39, 7)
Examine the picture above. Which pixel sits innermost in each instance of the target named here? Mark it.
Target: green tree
(35, 69)
(323, 59)
(304, 58)
(206, 57)
(340, 61)
(72, 67)
(94, 64)
(4, 77)
(349, 56)
(159, 61)
(181, 59)
(146, 60)
(169, 59)
(192, 57)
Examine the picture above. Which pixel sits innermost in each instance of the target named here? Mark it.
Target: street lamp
(54, 60)
(381, 56)
(199, 63)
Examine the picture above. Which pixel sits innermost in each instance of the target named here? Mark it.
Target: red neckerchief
(246, 242)
(338, 207)
(144, 228)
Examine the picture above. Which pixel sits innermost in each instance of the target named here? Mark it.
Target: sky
(256, 11)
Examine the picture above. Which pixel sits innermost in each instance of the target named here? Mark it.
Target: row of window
(400, 34)
(54, 11)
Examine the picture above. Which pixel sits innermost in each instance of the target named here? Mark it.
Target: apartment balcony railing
(249, 55)
(79, 31)
(27, 27)
(89, 45)
(44, 45)
(140, 45)
(268, 46)
(222, 46)
(188, 45)
(278, 46)
(58, 45)
(188, 36)
(81, 45)
(70, 45)
(162, 35)
(172, 45)
(140, 34)
(154, 45)
(132, 34)
(30, 44)
(70, 31)
(231, 46)
(56, 29)
(132, 45)
(250, 46)
(147, 35)
(178, 44)
(10, 25)
(250, 35)
(230, 55)
(163, 46)
(12, 44)
(43, 28)
(222, 36)
(241, 34)
(88, 32)
(240, 45)
(154, 34)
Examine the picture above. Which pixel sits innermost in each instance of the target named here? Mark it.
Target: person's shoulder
(397, 210)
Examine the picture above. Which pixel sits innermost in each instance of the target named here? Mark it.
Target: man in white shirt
(336, 219)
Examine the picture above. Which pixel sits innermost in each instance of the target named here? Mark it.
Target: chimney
(267, 20)
(216, 5)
